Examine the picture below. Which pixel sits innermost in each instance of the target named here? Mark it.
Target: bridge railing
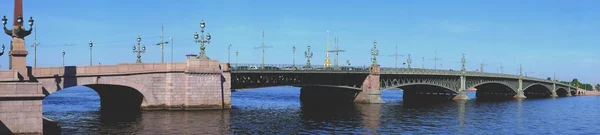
(385, 70)
(291, 67)
(418, 71)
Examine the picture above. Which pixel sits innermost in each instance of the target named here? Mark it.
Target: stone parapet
(118, 69)
(194, 65)
(9, 75)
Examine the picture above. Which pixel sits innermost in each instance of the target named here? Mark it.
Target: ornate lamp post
(229, 53)
(18, 32)
(308, 54)
(202, 54)
(294, 53)
(91, 45)
(463, 61)
(375, 52)
(236, 57)
(348, 62)
(409, 61)
(63, 54)
(139, 50)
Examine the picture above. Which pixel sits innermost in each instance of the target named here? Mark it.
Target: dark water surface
(278, 110)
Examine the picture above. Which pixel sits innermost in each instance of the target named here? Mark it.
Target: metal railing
(290, 67)
(383, 70)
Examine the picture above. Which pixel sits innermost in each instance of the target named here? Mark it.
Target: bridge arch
(537, 90)
(425, 92)
(112, 86)
(431, 86)
(117, 97)
(494, 83)
(494, 90)
(561, 92)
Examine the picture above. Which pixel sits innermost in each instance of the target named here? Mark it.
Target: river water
(278, 110)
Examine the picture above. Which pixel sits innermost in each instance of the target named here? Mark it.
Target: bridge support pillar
(462, 92)
(20, 105)
(462, 95)
(520, 95)
(370, 89)
(554, 94)
(554, 90)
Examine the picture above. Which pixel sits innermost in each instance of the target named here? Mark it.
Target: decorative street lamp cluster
(18, 31)
(375, 52)
(202, 54)
(139, 50)
(308, 54)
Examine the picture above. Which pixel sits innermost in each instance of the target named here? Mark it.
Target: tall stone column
(520, 94)
(462, 91)
(18, 51)
(554, 90)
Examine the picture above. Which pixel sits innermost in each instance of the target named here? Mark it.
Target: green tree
(597, 87)
(588, 87)
(549, 78)
(576, 83)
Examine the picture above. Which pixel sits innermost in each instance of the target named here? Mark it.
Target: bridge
(200, 83)
(206, 84)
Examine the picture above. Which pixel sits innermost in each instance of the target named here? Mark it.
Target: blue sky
(547, 37)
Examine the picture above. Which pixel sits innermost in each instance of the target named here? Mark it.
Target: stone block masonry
(21, 107)
(194, 85)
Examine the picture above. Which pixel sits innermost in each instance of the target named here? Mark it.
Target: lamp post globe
(30, 21)
(2, 52)
(208, 37)
(20, 20)
(91, 44)
(202, 24)
(4, 20)
(139, 39)
(196, 35)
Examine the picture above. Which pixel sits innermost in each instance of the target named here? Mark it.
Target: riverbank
(592, 93)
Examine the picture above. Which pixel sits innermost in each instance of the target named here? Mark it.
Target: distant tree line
(584, 86)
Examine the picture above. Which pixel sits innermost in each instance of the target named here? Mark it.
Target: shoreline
(591, 93)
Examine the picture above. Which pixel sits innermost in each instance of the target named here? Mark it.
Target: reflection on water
(279, 111)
